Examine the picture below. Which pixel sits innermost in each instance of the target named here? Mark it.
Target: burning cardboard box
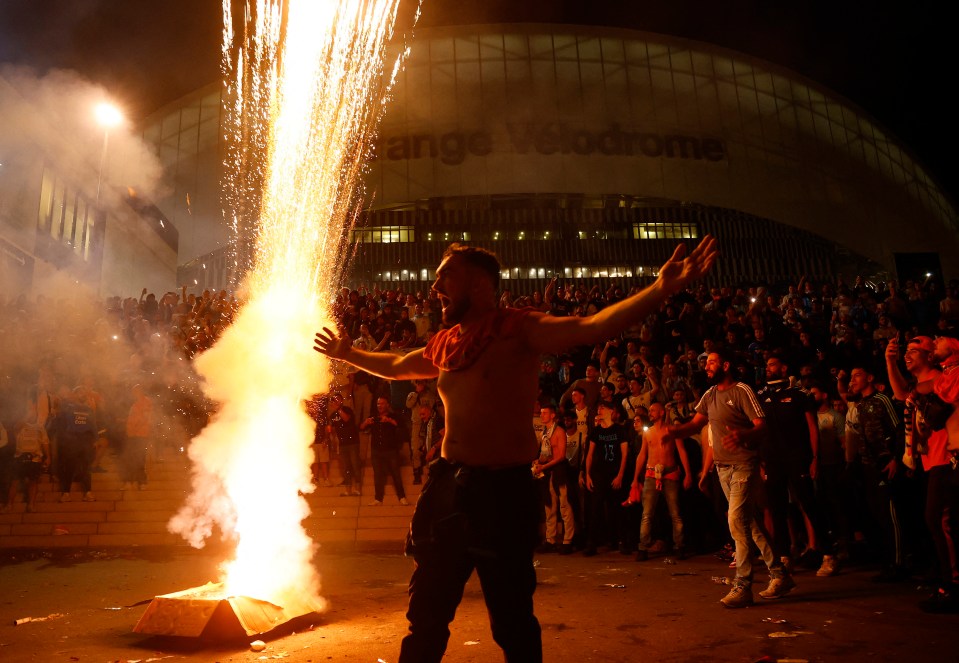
(207, 612)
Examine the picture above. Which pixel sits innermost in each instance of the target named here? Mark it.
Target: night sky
(895, 61)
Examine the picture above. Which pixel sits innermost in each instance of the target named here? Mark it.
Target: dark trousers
(351, 467)
(133, 461)
(829, 497)
(74, 464)
(386, 463)
(942, 515)
(785, 478)
(605, 513)
(473, 518)
(885, 531)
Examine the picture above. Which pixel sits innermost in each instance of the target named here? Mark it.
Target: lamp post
(108, 116)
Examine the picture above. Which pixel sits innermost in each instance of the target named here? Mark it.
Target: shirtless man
(479, 508)
(658, 472)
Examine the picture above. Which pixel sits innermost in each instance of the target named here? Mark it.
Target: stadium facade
(587, 153)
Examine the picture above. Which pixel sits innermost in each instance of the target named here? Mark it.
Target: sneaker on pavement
(376, 503)
(829, 567)
(65, 497)
(88, 497)
(404, 501)
(944, 601)
(355, 493)
(739, 596)
(778, 587)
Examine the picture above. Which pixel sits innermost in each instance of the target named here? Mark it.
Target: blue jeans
(650, 500)
(741, 483)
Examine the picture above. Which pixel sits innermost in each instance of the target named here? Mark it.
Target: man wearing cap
(925, 417)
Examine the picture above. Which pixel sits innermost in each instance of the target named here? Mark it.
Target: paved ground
(606, 608)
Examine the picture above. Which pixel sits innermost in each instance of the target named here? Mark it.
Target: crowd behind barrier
(83, 378)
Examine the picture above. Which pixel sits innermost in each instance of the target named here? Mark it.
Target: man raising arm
(479, 507)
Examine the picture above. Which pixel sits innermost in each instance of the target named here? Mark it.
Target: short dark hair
(480, 258)
(725, 355)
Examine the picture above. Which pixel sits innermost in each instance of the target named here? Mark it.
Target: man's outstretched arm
(384, 364)
(555, 334)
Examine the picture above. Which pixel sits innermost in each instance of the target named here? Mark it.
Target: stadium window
(384, 235)
(664, 231)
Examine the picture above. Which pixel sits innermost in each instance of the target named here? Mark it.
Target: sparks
(305, 87)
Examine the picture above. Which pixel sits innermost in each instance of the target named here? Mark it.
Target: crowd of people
(856, 460)
(823, 376)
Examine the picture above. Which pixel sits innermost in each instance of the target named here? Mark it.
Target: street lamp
(108, 116)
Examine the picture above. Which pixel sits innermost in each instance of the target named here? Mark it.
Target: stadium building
(586, 153)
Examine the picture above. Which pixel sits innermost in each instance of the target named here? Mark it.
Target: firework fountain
(305, 87)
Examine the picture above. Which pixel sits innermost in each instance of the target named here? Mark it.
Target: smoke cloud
(52, 116)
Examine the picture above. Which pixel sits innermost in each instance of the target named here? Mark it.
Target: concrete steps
(139, 517)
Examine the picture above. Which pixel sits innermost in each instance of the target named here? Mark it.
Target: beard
(455, 311)
(717, 377)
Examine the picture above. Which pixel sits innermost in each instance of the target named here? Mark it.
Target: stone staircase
(139, 518)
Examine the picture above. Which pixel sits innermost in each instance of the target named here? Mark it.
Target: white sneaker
(778, 587)
(376, 503)
(88, 497)
(739, 596)
(830, 566)
(65, 497)
(404, 502)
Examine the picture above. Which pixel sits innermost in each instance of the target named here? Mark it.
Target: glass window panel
(612, 50)
(441, 50)
(589, 49)
(723, 67)
(515, 47)
(467, 74)
(490, 47)
(564, 48)
(541, 47)
(681, 60)
(635, 52)
(466, 48)
(189, 117)
(171, 125)
(56, 225)
(46, 201)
